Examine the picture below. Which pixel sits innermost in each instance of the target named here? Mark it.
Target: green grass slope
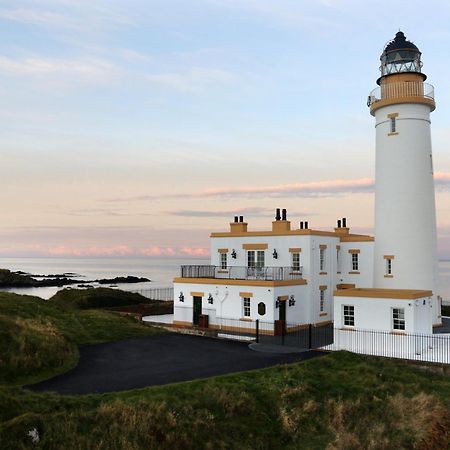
(340, 401)
(96, 298)
(39, 339)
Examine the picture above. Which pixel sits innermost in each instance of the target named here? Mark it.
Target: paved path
(153, 360)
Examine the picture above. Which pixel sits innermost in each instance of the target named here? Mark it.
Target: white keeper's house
(296, 275)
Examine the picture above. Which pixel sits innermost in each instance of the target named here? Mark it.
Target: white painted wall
(365, 277)
(376, 313)
(228, 302)
(405, 216)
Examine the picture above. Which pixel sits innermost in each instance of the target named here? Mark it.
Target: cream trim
(222, 250)
(197, 294)
(389, 276)
(246, 294)
(389, 257)
(283, 298)
(392, 115)
(354, 272)
(255, 246)
(323, 287)
(338, 247)
(322, 247)
(295, 250)
(402, 294)
(354, 250)
(323, 314)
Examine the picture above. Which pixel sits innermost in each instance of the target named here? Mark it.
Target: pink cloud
(117, 250)
(190, 251)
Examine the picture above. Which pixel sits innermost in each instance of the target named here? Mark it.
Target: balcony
(404, 92)
(242, 273)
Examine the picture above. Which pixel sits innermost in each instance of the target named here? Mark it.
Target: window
(296, 262)
(388, 266)
(223, 261)
(349, 315)
(355, 261)
(398, 318)
(322, 300)
(393, 125)
(246, 306)
(338, 254)
(255, 259)
(322, 259)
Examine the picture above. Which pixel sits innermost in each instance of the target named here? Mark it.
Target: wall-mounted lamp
(233, 254)
(277, 303)
(291, 300)
(181, 297)
(210, 299)
(275, 254)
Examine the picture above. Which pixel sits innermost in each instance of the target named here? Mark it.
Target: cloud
(329, 188)
(254, 212)
(193, 79)
(60, 71)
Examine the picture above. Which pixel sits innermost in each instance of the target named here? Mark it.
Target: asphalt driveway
(162, 359)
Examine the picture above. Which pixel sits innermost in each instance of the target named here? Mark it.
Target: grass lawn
(340, 401)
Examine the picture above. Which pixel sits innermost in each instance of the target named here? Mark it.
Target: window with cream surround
(296, 262)
(393, 125)
(388, 266)
(223, 261)
(398, 318)
(246, 307)
(322, 259)
(348, 313)
(355, 261)
(255, 258)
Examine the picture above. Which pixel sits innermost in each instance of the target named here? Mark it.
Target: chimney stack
(238, 226)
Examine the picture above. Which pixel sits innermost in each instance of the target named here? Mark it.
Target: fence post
(309, 336)
(257, 330)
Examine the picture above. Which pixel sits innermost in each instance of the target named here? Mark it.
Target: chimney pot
(301, 225)
(284, 214)
(306, 225)
(344, 222)
(339, 224)
(277, 215)
(241, 218)
(235, 219)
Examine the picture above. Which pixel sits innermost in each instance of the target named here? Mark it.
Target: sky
(135, 128)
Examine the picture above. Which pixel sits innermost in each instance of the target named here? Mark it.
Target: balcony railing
(400, 90)
(242, 273)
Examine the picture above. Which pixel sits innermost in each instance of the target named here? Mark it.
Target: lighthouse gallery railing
(404, 89)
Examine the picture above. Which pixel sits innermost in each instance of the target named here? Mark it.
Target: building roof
(406, 294)
(399, 43)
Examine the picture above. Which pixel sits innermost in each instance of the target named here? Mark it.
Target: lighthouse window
(398, 318)
(393, 125)
(388, 266)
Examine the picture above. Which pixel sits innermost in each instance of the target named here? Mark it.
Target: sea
(160, 271)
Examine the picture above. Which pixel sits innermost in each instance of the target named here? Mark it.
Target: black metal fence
(275, 333)
(421, 347)
(242, 272)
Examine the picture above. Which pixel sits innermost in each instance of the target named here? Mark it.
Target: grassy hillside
(113, 299)
(339, 401)
(38, 338)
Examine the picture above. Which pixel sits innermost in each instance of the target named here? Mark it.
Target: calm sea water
(160, 270)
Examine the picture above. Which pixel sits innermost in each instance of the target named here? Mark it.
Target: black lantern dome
(400, 55)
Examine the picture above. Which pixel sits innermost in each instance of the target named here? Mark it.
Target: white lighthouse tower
(405, 254)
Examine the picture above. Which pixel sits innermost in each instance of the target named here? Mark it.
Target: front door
(282, 311)
(197, 309)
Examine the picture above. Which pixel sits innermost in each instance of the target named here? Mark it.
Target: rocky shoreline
(19, 279)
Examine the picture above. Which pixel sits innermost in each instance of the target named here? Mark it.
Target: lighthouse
(405, 253)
